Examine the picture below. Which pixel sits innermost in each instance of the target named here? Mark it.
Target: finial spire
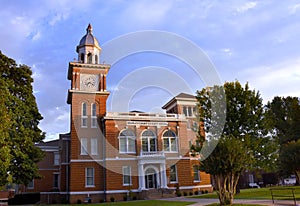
(89, 29)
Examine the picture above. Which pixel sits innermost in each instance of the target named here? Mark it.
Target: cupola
(88, 49)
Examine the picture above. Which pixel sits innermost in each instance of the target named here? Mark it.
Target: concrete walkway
(202, 202)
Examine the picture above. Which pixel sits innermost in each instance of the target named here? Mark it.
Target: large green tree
(283, 115)
(242, 142)
(19, 129)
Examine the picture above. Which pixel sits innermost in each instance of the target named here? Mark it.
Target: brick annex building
(117, 154)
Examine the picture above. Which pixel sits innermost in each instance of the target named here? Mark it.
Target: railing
(283, 194)
(152, 154)
(143, 115)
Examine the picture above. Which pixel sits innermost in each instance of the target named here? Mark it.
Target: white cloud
(282, 79)
(246, 6)
(294, 8)
(146, 12)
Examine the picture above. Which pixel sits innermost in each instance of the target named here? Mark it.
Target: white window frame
(198, 173)
(169, 139)
(148, 140)
(127, 140)
(176, 174)
(56, 158)
(93, 115)
(94, 146)
(92, 176)
(84, 116)
(124, 171)
(83, 146)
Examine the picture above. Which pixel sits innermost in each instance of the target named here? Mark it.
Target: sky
(249, 41)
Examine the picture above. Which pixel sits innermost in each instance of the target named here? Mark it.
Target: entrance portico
(152, 173)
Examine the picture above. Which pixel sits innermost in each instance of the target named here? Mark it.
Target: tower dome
(88, 49)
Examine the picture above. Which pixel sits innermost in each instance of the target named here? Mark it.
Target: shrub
(184, 193)
(134, 198)
(190, 193)
(178, 194)
(206, 191)
(196, 192)
(202, 191)
(78, 201)
(101, 200)
(112, 199)
(125, 198)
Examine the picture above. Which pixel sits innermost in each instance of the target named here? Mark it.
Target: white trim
(83, 160)
(191, 187)
(86, 192)
(120, 191)
(46, 169)
(122, 158)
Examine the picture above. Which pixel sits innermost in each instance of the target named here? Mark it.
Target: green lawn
(139, 203)
(260, 193)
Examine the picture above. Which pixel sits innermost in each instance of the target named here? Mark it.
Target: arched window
(90, 58)
(82, 57)
(96, 59)
(149, 141)
(93, 116)
(170, 141)
(127, 141)
(84, 115)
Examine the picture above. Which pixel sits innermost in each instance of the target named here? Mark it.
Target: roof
(181, 96)
(89, 39)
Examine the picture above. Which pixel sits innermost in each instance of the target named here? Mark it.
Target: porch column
(163, 175)
(141, 177)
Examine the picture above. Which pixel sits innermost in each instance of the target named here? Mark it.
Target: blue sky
(250, 41)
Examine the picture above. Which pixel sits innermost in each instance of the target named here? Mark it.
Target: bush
(134, 198)
(202, 191)
(78, 201)
(178, 194)
(112, 199)
(206, 191)
(101, 200)
(125, 198)
(191, 193)
(196, 192)
(184, 193)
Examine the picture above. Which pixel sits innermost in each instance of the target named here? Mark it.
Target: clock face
(89, 82)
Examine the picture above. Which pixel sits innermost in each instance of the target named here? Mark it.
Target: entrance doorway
(150, 179)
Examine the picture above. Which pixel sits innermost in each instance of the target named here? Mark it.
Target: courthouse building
(118, 155)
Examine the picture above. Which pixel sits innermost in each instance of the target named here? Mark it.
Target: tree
(242, 143)
(19, 122)
(283, 114)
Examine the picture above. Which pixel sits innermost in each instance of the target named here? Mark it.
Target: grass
(138, 203)
(217, 204)
(261, 193)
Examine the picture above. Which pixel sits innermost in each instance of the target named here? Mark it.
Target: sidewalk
(202, 202)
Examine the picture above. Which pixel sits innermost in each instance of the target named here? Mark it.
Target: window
(185, 111)
(89, 177)
(148, 141)
(90, 58)
(94, 146)
(84, 115)
(126, 175)
(96, 59)
(82, 57)
(83, 146)
(56, 158)
(170, 141)
(93, 116)
(173, 174)
(127, 141)
(188, 111)
(196, 173)
(56, 181)
(30, 185)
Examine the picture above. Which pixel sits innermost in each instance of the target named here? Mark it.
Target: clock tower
(87, 97)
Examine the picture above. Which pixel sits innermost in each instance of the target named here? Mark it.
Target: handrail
(279, 195)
